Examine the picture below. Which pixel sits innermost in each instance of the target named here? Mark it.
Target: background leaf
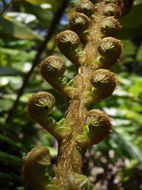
(43, 15)
(10, 29)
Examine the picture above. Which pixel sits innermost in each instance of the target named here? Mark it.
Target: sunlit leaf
(136, 117)
(129, 48)
(38, 1)
(139, 54)
(43, 15)
(51, 3)
(5, 104)
(10, 29)
(138, 2)
(132, 150)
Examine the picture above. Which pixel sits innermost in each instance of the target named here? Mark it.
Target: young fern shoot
(95, 26)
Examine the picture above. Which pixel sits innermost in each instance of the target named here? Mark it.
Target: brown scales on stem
(82, 127)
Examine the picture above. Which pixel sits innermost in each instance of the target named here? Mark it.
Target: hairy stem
(95, 27)
(70, 156)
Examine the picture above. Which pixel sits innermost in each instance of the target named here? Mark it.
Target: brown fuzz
(34, 169)
(40, 103)
(110, 26)
(86, 7)
(67, 42)
(52, 67)
(99, 126)
(112, 10)
(104, 81)
(67, 39)
(110, 48)
(77, 182)
(79, 22)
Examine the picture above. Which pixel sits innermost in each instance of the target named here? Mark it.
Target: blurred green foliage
(22, 29)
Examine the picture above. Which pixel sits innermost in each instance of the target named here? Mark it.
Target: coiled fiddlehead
(94, 25)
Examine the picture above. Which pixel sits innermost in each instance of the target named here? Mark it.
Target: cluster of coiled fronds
(90, 43)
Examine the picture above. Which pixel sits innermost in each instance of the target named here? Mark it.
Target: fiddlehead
(93, 27)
